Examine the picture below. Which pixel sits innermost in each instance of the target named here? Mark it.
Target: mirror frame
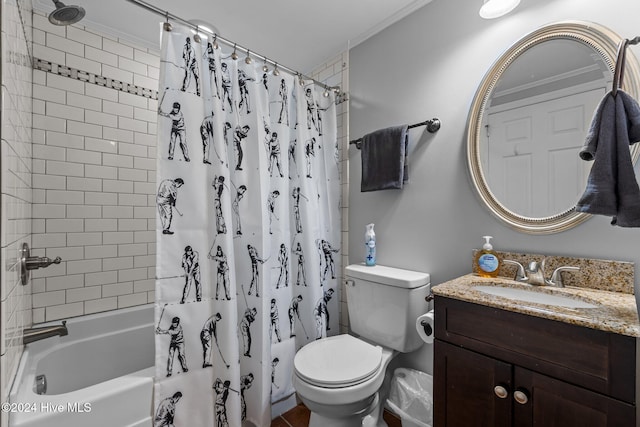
(603, 41)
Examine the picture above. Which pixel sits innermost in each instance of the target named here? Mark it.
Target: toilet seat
(338, 361)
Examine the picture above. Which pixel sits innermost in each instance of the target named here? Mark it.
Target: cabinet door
(553, 403)
(464, 389)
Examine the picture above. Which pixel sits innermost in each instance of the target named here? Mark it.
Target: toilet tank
(384, 302)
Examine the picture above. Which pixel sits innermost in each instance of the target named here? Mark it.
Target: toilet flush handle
(349, 282)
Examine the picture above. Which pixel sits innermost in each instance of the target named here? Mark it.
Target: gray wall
(429, 65)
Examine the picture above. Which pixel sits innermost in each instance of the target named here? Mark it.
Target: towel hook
(618, 74)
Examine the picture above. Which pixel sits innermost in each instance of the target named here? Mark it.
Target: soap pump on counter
(370, 246)
(487, 260)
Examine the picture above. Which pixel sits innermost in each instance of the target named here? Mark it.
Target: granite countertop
(615, 312)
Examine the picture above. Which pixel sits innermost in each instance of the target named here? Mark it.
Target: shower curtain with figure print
(248, 233)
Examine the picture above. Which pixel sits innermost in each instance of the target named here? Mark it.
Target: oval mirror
(529, 119)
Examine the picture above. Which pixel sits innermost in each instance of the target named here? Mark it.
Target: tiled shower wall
(94, 168)
(15, 181)
(94, 126)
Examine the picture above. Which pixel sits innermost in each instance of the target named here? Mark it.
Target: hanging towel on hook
(612, 189)
(384, 159)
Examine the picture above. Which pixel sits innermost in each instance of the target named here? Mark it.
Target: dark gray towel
(612, 188)
(384, 159)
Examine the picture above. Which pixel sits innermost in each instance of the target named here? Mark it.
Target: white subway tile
(144, 212)
(84, 184)
(84, 129)
(133, 200)
(62, 139)
(101, 224)
(49, 211)
(64, 311)
(126, 174)
(48, 152)
(146, 139)
(49, 94)
(101, 278)
(105, 172)
(146, 58)
(117, 289)
(83, 101)
(134, 100)
(117, 48)
(48, 298)
(101, 92)
(64, 111)
(84, 266)
(101, 119)
(64, 282)
(118, 135)
(61, 43)
(145, 285)
(48, 54)
(100, 305)
(117, 211)
(101, 56)
(75, 211)
(146, 115)
(133, 66)
(117, 237)
(131, 224)
(83, 294)
(102, 145)
(83, 64)
(117, 109)
(117, 74)
(38, 317)
(117, 186)
(94, 198)
(102, 251)
(109, 264)
(65, 83)
(84, 37)
(65, 197)
(39, 107)
(64, 225)
(142, 163)
(84, 239)
(132, 249)
(132, 124)
(67, 254)
(117, 160)
(144, 236)
(51, 182)
(64, 168)
(132, 150)
(85, 157)
(144, 261)
(49, 123)
(132, 300)
(145, 82)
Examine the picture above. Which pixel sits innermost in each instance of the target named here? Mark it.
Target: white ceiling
(301, 34)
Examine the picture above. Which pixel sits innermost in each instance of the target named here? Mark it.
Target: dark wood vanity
(495, 368)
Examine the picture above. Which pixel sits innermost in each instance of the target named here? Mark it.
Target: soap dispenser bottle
(370, 246)
(487, 260)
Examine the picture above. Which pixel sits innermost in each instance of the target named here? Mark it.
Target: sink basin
(527, 295)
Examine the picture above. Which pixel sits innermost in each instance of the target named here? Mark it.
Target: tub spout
(36, 334)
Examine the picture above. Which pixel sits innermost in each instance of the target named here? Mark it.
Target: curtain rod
(198, 29)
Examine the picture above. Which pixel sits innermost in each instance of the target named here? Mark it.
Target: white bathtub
(101, 374)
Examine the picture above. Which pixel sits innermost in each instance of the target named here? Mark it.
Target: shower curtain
(248, 232)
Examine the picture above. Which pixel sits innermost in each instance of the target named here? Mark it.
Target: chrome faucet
(30, 335)
(534, 274)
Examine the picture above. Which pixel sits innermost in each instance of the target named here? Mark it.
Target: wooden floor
(299, 417)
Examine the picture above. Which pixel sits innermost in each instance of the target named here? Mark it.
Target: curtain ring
(167, 25)
(215, 41)
(248, 59)
(196, 36)
(276, 72)
(265, 68)
(300, 79)
(234, 55)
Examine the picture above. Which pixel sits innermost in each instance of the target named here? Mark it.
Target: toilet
(338, 378)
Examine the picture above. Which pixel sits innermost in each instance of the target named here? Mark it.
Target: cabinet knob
(520, 397)
(501, 392)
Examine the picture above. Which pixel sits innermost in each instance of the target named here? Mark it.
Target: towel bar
(432, 125)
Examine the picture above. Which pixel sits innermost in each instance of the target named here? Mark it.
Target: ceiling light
(497, 8)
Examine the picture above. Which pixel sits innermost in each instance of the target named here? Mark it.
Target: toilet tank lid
(388, 275)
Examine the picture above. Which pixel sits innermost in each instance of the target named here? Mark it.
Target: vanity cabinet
(499, 368)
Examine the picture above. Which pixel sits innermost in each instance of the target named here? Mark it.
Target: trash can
(411, 398)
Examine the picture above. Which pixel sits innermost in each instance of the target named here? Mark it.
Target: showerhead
(65, 15)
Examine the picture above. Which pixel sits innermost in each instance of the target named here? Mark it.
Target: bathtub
(101, 374)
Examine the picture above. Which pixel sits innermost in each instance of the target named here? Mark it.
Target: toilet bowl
(339, 378)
